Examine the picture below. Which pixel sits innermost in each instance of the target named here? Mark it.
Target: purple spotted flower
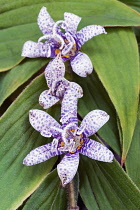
(54, 74)
(62, 38)
(69, 139)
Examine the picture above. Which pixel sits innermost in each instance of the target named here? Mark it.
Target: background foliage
(113, 86)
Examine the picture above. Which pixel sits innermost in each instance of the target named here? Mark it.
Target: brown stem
(71, 197)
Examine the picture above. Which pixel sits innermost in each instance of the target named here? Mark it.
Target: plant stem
(71, 197)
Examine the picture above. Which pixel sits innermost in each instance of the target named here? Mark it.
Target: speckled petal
(40, 154)
(81, 64)
(54, 70)
(32, 50)
(69, 104)
(68, 166)
(46, 99)
(68, 46)
(93, 121)
(45, 22)
(44, 123)
(77, 88)
(88, 32)
(71, 22)
(96, 151)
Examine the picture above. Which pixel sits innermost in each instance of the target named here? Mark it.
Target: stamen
(49, 52)
(70, 143)
(62, 144)
(45, 37)
(57, 51)
(56, 35)
(49, 91)
(56, 25)
(72, 146)
(74, 133)
(54, 144)
(71, 42)
(65, 130)
(81, 131)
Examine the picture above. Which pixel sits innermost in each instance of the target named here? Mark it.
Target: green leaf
(7, 5)
(95, 97)
(132, 161)
(132, 3)
(116, 61)
(106, 186)
(49, 195)
(23, 26)
(103, 12)
(12, 40)
(11, 80)
(136, 6)
(17, 139)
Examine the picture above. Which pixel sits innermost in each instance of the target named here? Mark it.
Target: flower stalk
(72, 204)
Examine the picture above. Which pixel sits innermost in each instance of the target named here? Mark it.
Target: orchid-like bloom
(54, 74)
(61, 37)
(69, 139)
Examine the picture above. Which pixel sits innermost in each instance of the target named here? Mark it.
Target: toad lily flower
(54, 74)
(62, 37)
(69, 139)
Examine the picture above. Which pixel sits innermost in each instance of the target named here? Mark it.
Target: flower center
(72, 141)
(65, 41)
(58, 87)
(71, 50)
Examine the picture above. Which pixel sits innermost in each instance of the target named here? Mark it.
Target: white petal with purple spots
(81, 64)
(69, 104)
(96, 151)
(71, 22)
(54, 70)
(45, 22)
(77, 88)
(93, 121)
(32, 50)
(41, 154)
(44, 123)
(46, 99)
(67, 167)
(88, 32)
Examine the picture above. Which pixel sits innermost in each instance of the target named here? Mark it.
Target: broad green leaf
(136, 6)
(24, 22)
(132, 161)
(17, 138)
(116, 61)
(49, 195)
(103, 12)
(12, 40)
(7, 5)
(106, 186)
(132, 3)
(11, 80)
(95, 97)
